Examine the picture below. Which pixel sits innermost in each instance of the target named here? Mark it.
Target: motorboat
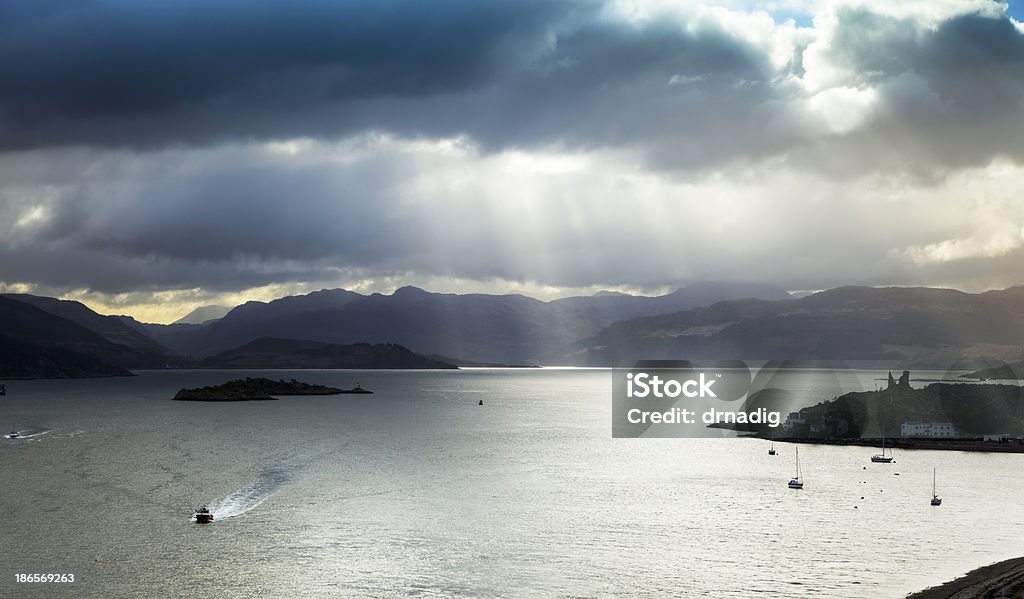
(203, 515)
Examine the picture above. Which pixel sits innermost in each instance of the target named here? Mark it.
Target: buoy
(481, 402)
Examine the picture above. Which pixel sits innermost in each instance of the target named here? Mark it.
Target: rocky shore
(1002, 579)
(976, 445)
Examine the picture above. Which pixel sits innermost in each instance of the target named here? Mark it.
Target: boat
(797, 482)
(3, 389)
(13, 435)
(936, 500)
(771, 450)
(203, 515)
(881, 458)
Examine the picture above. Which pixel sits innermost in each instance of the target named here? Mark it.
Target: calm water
(418, 491)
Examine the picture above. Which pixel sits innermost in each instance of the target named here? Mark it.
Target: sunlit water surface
(419, 491)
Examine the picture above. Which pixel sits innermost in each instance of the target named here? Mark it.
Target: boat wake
(243, 500)
(28, 433)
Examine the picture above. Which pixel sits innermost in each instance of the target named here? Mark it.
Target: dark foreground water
(418, 491)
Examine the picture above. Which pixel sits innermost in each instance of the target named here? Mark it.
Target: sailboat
(936, 500)
(797, 482)
(771, 450)
(882, 458)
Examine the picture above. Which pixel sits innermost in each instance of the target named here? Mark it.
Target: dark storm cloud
(525, 72)
(148, 67)
(132, 150)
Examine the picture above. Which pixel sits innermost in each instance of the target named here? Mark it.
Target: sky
(160, 156)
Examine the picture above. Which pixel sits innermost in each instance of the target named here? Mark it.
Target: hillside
(975, 410)
(920, 325)
(26, 322)
(1005, 372)
(20, 359)
(506, 329)
(268, 352)
(608, 307)
(111, 328)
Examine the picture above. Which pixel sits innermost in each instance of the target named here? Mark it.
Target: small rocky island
(257, 389)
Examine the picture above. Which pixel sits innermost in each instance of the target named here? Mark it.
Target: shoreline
(971, 445)
(1001, 579)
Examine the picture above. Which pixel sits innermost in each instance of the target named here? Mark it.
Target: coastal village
(990, 413)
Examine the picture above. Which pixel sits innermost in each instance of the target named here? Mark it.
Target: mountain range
(483, 328)
(910, 326)
(712, 321)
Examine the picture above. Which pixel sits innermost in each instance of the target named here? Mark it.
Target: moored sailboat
(797, 482)
(882, 458)
(936, 500)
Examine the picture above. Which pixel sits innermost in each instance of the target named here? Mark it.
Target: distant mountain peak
(409, 290)
(733, 290)
(204, 314)
(331, 292)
